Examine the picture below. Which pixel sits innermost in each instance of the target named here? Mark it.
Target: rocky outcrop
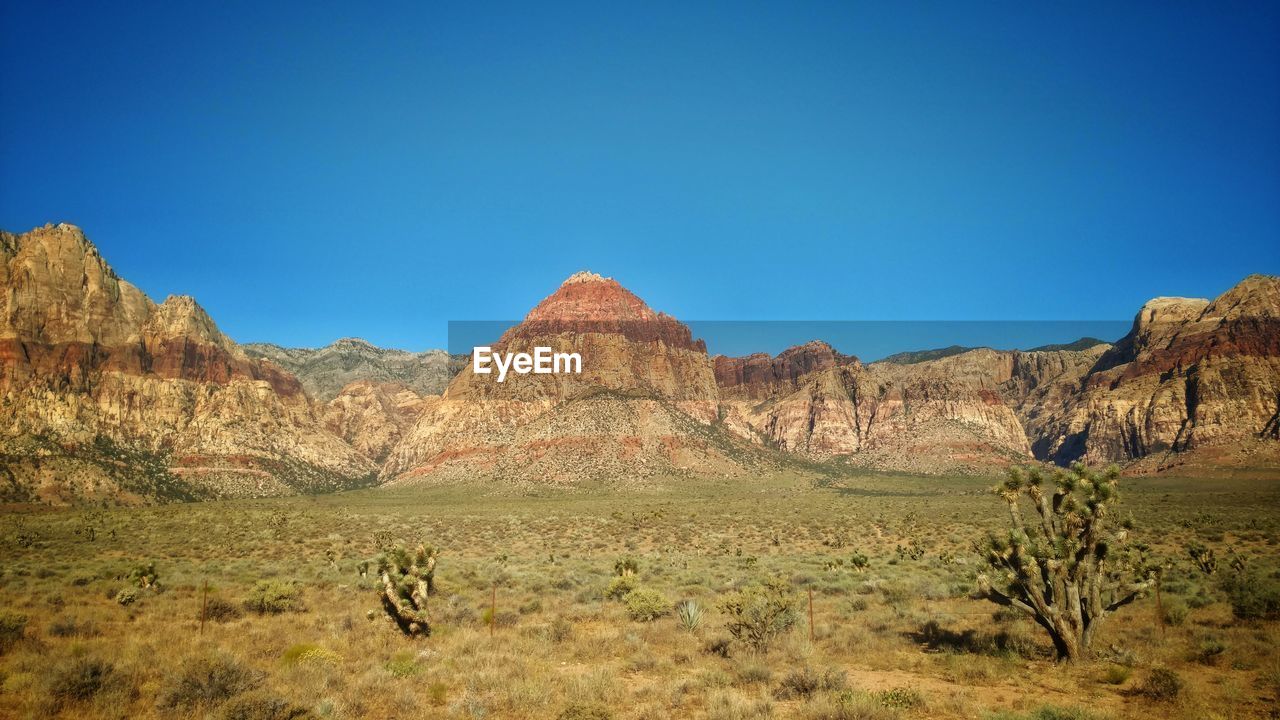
(644, 403)
(1190, 375)
(372, 416)
(325, 371)
(106, 394)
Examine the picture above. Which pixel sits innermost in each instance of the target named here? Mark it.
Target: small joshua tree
(1204, 558)
(144, 576)
(626, 567)
(408, 578)
(1062, 568)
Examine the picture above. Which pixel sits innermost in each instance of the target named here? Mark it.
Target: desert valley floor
(294, 630)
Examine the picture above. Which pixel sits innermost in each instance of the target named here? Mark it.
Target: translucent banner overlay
(869, 340)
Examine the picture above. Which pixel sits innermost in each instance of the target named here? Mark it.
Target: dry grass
(296, 631)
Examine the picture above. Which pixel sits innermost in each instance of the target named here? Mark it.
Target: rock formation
(1192, 377)
(324, 372)
(104, 393)
(645, 402)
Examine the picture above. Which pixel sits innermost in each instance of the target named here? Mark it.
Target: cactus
(408, 579)
(1203, 557)
(1059, 569)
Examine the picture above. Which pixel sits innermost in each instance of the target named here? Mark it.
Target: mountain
(106, 394)
(325, 371)
(1193, 379)
(645, 402)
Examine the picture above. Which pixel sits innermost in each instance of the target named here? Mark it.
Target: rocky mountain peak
(181, 316)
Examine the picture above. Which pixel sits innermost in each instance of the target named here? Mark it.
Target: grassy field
(294, 630)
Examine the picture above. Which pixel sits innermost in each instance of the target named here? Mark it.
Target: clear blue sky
(320, 170)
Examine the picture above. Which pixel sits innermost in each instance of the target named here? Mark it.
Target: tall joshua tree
(1064, 567)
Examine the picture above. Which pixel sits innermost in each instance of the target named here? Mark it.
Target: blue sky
(317, 170)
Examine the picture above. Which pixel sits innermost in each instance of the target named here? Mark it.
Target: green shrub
(1162, 684)
(903, 698)
(1252, 597)
(207, 681)
(645, 605)
(1175, 613)
(310, 654)
(760, 614)
(1209, 651)
(1116, 675)
(620, 586)
(848, 705)
(126, 597)
(270, 597)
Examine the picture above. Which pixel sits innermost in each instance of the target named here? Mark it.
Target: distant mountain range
(108, 395)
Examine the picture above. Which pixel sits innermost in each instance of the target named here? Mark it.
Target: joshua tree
(1204, 558)
(625, 567)
(407, 580)
(1063, 568)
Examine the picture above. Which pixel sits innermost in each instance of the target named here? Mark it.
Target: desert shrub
(310, 654)
(620, 586)
(219, 610)
(1116, 674)
(1209, 651)
(754, 672)
(730, 705)
(848, 705)
(403, 665)
(806, 681)
(1252, 597)
(13, 627)
(70, 627)
(77, 681)
(585, 711)
(126, 597)
(689, 613)
(207, 681)
(271, 597)
(758, 615)
(719, 646)
(1162, 684)
(264, 707)
(904, 698)
(645, 605)
(1175, 613)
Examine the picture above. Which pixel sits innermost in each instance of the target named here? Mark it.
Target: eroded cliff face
(945, 415)
(645, 401)
(1192, 375)
(97, 381)
(372, 416)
